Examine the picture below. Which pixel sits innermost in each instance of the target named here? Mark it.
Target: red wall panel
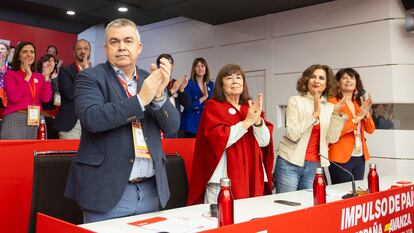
(41, 38)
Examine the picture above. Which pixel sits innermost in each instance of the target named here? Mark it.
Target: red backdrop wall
(41, 38)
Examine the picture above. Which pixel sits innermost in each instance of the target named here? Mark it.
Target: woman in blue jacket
(200, 89)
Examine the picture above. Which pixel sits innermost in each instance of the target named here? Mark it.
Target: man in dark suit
(120, 166)
(175, 90)
(66, 121)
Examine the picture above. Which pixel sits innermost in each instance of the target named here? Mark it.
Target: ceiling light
(122, 9)
(70, 12)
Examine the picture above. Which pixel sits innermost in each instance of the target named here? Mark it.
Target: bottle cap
(42, 121)
(225, 182)
(372, 166)
(319, 170)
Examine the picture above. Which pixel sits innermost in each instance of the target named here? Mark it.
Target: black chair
(177, 181)
(51, 170)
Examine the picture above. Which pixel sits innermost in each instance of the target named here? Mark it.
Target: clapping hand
(316, 102)
(183, 84)
(26, 69)
(364, 109)
(253, 114)
(338, 106)
(175, 86)
(165, 69)
(47, 70)
(85, 63)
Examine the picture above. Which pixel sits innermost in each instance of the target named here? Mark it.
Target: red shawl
(244, 158)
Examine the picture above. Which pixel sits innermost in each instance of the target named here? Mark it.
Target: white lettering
(377, 208)
(349, 218)
(397, 203)
(384, 206)
(403, 201)
(366, 212)
(358, 213)
(391, 205)
(400, 222)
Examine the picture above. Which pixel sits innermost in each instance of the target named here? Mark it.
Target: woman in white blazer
(311, 124)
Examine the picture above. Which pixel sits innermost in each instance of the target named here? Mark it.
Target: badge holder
(33, 115)
(140, 146)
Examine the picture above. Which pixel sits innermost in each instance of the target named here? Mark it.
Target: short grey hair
(117, 23)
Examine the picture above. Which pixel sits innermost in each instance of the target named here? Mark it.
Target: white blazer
(299, 124)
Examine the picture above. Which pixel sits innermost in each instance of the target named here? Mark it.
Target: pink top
(18, 92)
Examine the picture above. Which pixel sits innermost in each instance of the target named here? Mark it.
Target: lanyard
(124, 84)
(78, 67)
(32, 85)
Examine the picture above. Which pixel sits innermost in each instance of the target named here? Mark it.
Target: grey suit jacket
(101, 169)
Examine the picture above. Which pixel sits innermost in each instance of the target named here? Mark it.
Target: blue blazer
(190, 118)
(101, 169)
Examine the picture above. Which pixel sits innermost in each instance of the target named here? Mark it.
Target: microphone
(348, 195)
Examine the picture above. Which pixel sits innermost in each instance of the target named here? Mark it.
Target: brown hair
(302, 83)
(360, 91)
(226, 70)
(16, 62)
(206, 77)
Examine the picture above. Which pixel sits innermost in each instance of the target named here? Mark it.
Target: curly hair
(360, 91)
(302, 83)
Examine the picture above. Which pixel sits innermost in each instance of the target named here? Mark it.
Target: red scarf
(244, 158)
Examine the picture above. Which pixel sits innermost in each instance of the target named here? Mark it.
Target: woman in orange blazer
(351, 151)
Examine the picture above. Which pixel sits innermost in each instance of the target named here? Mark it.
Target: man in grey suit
(120, 166)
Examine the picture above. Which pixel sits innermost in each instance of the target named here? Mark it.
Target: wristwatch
(159, 99)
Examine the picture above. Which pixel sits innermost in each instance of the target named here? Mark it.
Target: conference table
(197, 217)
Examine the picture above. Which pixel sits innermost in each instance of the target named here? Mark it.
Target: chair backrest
(51, 170)
(177, 181)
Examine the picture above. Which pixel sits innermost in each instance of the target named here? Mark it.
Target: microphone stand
(348, 195)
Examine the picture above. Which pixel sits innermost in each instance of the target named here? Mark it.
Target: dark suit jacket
(100, 172)
(182, 98)
(66, 117)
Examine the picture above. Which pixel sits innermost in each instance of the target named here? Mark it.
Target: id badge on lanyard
(33, 111)
(140, 146)
(33, 115)
(57, 100)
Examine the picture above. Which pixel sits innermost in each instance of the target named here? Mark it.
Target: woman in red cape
(233, 140)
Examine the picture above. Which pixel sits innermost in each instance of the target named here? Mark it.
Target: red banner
(383, 212)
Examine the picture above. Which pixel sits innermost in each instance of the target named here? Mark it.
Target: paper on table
(182, 224)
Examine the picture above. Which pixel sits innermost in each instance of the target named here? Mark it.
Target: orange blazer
(341, 151)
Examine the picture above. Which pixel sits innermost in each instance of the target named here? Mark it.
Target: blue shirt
(142, 167)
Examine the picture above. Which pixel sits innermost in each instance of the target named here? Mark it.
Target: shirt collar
(121, 74)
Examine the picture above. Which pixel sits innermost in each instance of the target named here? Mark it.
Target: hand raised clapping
(364, 109)
(253, 114)
(156, 82)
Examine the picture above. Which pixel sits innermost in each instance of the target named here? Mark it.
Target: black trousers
(356, 165)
